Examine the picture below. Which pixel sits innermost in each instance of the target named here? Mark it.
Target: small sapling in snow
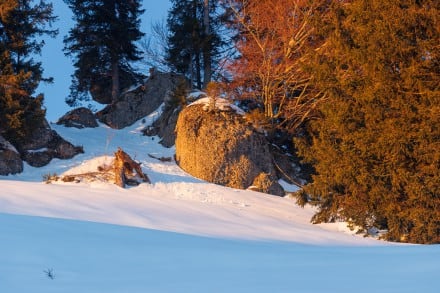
(50, 274)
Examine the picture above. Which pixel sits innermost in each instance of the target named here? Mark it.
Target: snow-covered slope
(181, 234)
(175, 201)
(185, 207)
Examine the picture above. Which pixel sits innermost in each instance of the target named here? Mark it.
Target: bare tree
(274, 37)
(154, 47)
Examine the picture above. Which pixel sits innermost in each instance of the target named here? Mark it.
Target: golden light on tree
(274, 39)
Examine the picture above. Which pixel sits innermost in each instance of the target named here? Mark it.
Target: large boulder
(220, 147)
(141, 101)
(79, 118)
(10, 161)
(44, 145)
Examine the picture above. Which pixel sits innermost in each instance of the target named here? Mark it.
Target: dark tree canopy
(103, 44)
(194, 41)
(22, 23)
(376, 148)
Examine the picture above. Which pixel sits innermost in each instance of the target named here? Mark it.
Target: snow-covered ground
(181, 234)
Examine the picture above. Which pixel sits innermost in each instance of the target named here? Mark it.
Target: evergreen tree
(194, 42)
(376, 149)
(21, 23)
(102, 45)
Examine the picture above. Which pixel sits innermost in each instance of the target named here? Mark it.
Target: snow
(181, 234)
(195, 95)
(6, 145)
(287, 186)
(220, 103)
(133, 87)
(38, 150)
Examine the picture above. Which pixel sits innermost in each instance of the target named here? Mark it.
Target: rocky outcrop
(164, 127)
(79, 118)
(220, 147)
(44, 145)
(141, 101)
(10, 161)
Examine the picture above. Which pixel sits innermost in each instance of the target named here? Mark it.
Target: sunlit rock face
(220, 147)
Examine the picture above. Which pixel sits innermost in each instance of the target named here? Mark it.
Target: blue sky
(59, 67)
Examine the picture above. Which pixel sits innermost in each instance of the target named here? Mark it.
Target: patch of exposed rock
(141, 101)
(44, 145)
(10, 160)
(164, 127)
(220, 147)
(79, 118)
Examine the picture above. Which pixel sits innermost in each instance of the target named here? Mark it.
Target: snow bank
(97, 237)
(220, 103)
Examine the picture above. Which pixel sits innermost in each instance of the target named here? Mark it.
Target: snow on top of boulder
(220, 103)
(132, 88)
(196, 95)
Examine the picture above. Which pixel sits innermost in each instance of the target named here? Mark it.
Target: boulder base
(10, 161)
(79, 118)
(46, 144)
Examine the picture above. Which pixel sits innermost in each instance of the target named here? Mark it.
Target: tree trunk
(207, 71)
(191, 70)
(198, 69)
(196, 46)
(115, 81)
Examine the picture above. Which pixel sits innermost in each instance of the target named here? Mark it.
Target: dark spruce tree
(22, 24)
(194, 41)
(103, 46)
(376, 148)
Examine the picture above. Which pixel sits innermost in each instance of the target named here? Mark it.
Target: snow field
(181, 234)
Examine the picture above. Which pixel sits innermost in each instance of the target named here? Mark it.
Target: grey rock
(38, 158)
(139, 102)
(10, 160)
(45, 144)
(164, 127)
(79, 118)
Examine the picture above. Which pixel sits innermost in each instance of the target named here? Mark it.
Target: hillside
(181, 234)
